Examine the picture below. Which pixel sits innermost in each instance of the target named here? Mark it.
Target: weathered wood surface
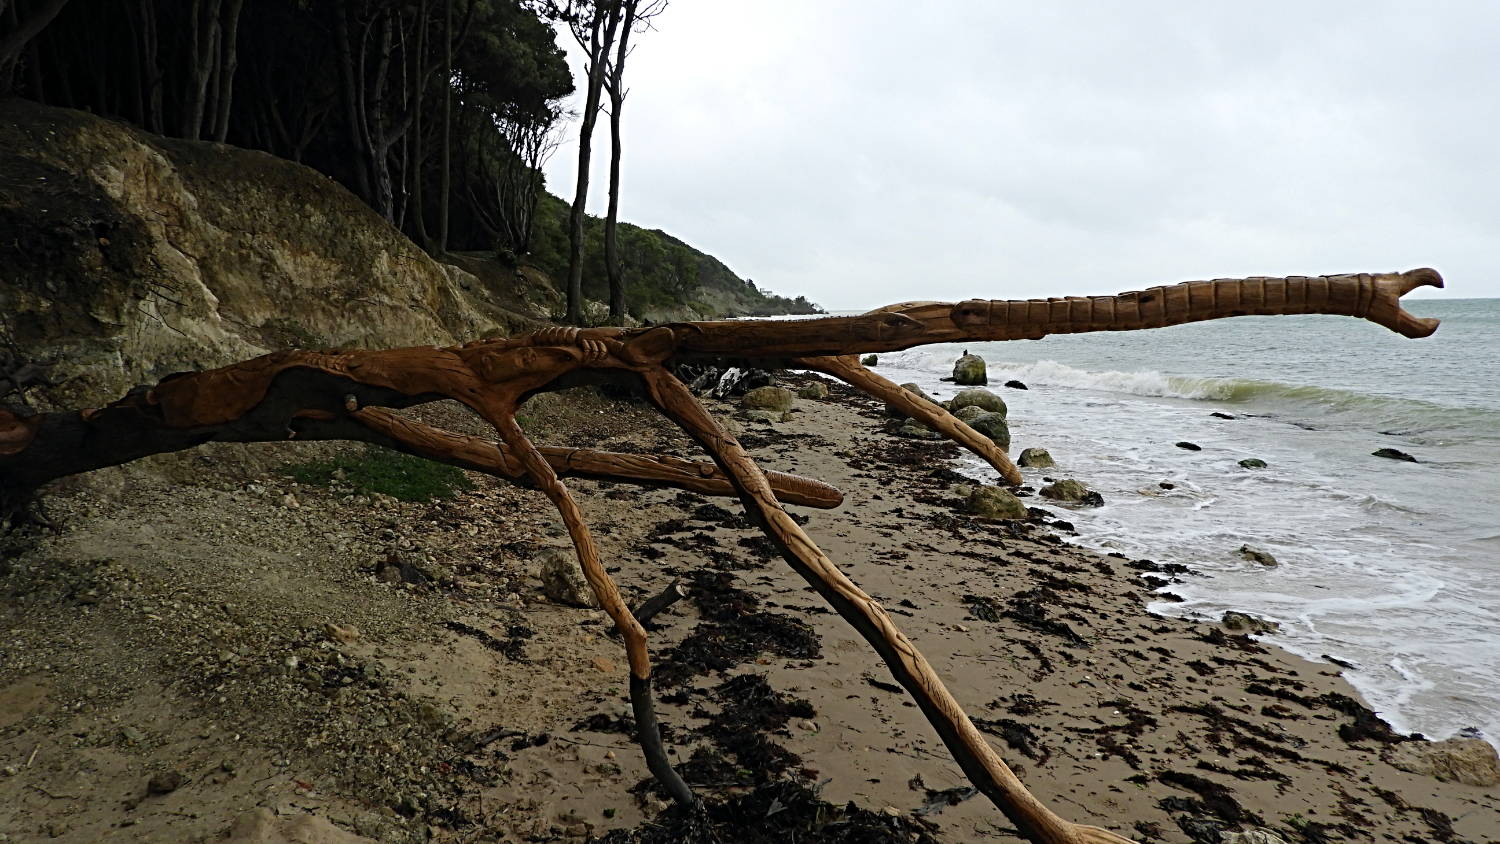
(339, 394)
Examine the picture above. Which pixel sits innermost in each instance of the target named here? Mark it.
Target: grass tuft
(379, 470)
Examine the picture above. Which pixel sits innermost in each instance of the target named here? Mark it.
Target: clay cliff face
(125, 256)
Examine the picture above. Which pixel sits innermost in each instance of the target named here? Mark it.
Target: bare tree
(635, 15)
(510, 175)
(594, 24)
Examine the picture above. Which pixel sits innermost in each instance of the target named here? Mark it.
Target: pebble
(810, 726)
(604, 665)
(892, 811)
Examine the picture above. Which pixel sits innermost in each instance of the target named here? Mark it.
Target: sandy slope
(183, 629)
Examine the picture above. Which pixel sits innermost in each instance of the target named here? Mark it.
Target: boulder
(778, 399)
(1065, 490)
(966, 414)
(992, 425)
(1253, 463)
(1470, 761)
(917, 431)
(969, 370)
(1393, 454)
(1016, 385)
(562, 578)
(895, 412)
(869, 360)
(815, 390)
(992, 502)
(1244, 621)
(1257, 555)
(767, 416)
(982, 399)
(1190, 446)
(1036, 458)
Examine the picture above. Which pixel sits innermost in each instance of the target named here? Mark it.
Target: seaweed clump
(776, 812)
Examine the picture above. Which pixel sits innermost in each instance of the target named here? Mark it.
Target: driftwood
(339, 394)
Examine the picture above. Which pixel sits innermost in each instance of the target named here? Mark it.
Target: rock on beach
(1470, 761)
(897, 413)
(1036, 458)
(982, 399)
(992, 502)
(969, 370)
(562, 578)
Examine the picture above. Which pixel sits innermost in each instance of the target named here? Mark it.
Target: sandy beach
(199, 637)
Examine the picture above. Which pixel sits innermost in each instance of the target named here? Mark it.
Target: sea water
(1392, 567)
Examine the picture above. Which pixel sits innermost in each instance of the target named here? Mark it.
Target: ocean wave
(1399, 416)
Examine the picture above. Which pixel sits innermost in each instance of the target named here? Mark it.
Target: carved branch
(336, 394)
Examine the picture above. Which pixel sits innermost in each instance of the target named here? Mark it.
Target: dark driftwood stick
(669, 596)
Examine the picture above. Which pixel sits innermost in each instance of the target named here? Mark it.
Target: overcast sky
(863, 153)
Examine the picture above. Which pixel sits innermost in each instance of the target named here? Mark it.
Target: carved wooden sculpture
(337, 394)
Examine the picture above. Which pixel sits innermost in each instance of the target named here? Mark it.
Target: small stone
(892, 811)
(604, 665)
(609, 754)
(1253, 463)
(347, 635)
(11, 770)
(767, 416)
(810, 726)
(289, 500)
(1190, 446)
(961, 628)
(1016, 385)
(869, 360)
(1256, 555)
(1036, 458)
(993, 502)
(815, 390)
(133, 735)
(1394, 454)
(165, 782)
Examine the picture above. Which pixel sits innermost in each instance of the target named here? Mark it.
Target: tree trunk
(152, 68)
(601, 39)
(445, 177)
(229, 49)
(418, 63)
(16, 40)
(611, 220)
(203, 23)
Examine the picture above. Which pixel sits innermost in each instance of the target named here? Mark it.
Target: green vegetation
(380, 471)
(661, 272)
